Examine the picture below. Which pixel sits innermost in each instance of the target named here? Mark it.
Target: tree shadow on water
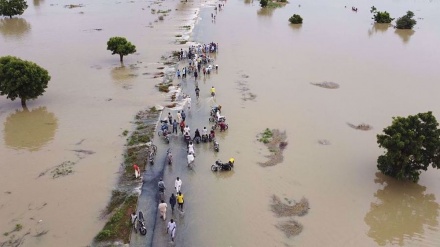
(404, 34)
(265, 12)
(402, 210)
(30, 130)
(378, 28)
(14, 27)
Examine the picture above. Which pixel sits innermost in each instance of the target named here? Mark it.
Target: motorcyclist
(222, 126)
(197, 134)
(161, 185)
(164, 129)
(220, 118)
(186, 130)
(205, 132)
(212, 91)
(212, 135)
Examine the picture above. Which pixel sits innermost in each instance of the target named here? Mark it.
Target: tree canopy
(12, 7)
(296, 19)
(381, 17)
(120, 45)
(412, 143)
(406, 21)
(22, 79)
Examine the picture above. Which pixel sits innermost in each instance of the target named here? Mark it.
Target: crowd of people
(197, 60)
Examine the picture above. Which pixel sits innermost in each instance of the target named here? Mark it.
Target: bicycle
(152, 153)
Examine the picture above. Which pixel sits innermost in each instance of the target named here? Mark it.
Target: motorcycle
(197, 139)
(165, 134)
(141, 224)
(205, 138)
(216, 146)
(219, 166)
(187, 138)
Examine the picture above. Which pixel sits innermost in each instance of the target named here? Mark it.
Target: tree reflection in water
(30, 130)
(14, 27)
(403, 210)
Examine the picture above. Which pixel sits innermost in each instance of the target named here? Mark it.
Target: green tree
(22, 79)
(381, 17)
(12, 7)
(296, 19)
(263, 3)
(412, 143)
(406, 21)
(120, 45)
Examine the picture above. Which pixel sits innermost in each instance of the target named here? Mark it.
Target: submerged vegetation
(272, 3)
(406, 22)
(296, 19)
(381, 17)
(275, 142)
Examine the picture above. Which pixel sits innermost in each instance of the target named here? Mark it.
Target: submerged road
(148, 201)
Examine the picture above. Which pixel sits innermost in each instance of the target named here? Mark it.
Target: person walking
(137, 171)
(188, 100)
(175, 126)
(179, 116)
(163, 209)
(171, 229)
(183, 114)
(182, 126)
(170, 118)
(178, 184)
(180, 201)
(173, 202)
(134, 221)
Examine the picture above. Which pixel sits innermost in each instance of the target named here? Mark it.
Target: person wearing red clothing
(137, 171)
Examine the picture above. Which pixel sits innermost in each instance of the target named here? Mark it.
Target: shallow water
(90, 101)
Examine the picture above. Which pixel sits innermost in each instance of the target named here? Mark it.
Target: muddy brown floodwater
(265, 70)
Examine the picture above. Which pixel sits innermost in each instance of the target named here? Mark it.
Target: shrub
(406, 21)
(296, 19)
(263, 3)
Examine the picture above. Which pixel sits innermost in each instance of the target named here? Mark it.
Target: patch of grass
(266, 136)
(18, 227)
(125, 133)
(63, 169)
(182, 42)
(178, 35)
(119, 226)
(118, 197)
(186, 27)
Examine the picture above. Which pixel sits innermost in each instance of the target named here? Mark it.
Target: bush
(382, 17)
(263, 3)
(406, 21)
(296, 19)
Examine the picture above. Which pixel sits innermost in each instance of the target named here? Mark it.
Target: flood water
(91, 100)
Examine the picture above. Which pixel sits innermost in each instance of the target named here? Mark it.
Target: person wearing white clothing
(178, 184)
(171, 229)
(188, 100)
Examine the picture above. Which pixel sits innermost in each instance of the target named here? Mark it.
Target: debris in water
(290, 228)
(361, 126)
(326, 84)
(283, 209)
(276, 144)
(324, 142)
(71, 6)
